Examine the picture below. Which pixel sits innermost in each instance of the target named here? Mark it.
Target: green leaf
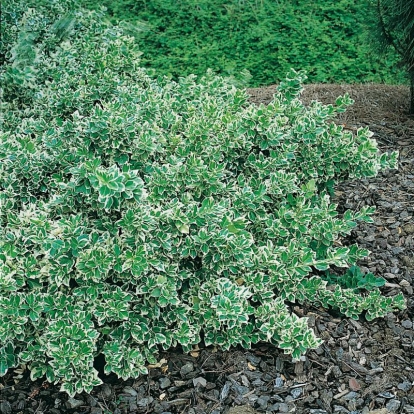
(183, 228)
(105, 191)
(321, 265)
(155, 293)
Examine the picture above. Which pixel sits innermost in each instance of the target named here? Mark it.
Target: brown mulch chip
(362, 367)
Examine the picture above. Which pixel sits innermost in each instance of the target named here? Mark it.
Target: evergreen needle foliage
(139, 214)
(396, 30)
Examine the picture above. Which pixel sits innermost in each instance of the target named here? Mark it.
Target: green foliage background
(329, 39)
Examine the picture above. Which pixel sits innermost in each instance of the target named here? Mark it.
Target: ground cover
(142, 214)
(360, 367)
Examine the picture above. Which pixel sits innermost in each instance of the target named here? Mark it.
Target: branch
(390, 40)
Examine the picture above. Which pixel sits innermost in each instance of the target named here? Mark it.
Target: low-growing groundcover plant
(355, 279)
(139, 214)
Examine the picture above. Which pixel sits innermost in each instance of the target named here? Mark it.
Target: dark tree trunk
(411, 74)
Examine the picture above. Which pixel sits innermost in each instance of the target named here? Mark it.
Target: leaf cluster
(138, 214)
(353, 278)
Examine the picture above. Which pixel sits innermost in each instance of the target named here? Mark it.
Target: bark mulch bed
(362, 367)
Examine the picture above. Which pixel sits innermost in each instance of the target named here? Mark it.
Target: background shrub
(325, 38)
(139, 213)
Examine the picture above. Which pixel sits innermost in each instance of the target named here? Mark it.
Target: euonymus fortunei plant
(139, 213)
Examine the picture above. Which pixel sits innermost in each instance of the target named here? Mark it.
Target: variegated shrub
(139, 213)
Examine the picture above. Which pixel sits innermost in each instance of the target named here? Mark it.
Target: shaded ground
(362, 367)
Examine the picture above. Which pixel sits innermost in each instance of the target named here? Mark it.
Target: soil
(362, 367)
